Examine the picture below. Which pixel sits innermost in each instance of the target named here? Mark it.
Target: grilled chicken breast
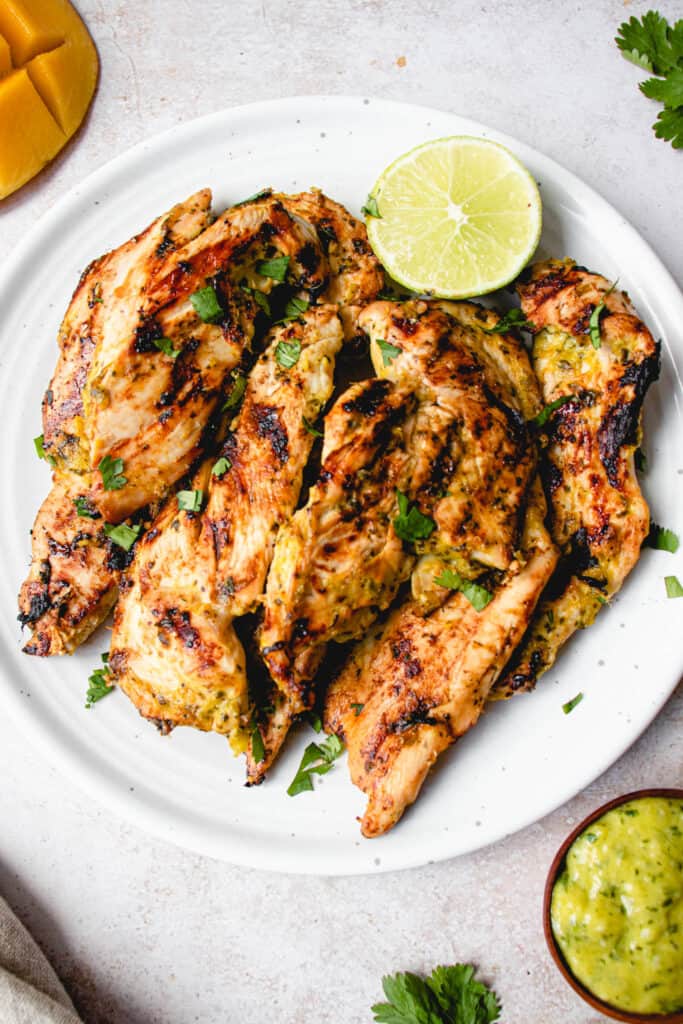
(417, 683)
(599, 517)
(174, 650)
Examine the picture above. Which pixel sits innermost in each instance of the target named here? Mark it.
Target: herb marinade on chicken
(438, 545)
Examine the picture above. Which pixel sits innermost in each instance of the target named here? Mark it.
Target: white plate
(526, 757)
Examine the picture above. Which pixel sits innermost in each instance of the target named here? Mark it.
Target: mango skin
(48, 75)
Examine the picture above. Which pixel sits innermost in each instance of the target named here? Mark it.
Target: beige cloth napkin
(30, 991)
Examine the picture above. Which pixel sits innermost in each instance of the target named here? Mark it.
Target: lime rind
(460, 217)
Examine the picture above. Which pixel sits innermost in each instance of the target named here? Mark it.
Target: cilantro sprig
(450, 995)
(206, 305)
(317, 759)
(389, 351)
(655, 46)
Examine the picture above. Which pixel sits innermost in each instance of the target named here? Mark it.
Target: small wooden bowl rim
(555, 952)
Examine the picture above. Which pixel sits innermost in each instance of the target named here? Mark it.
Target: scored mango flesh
(48, 74)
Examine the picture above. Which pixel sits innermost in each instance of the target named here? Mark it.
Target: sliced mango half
(48, 74)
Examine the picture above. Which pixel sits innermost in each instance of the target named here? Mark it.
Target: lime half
(456, 217)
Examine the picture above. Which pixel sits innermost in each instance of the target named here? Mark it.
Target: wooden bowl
(555, 951)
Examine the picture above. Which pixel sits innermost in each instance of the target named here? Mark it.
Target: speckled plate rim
(254, 849)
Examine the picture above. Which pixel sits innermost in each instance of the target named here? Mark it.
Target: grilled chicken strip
(139, 375)
(355, 274)
(72, 582)
(415, 684)
(599, 517)
(474, 459)
(174, 649)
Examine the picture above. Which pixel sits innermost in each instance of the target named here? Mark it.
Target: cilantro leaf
(258, 751)
(165, 345)
(669, 126)
(112, 473)
(668, 91)
(39, 445)
(649, 39)
(287, 353)
(477, 595)
(221, 466)
(371, 209)
(239, 386)
(357, 708)
(547, 411)
(571, 704)
(294, 308)
(315, 721)
(85, 508)
(264, 193)
(662, 539)
(123, 535)
(673, 586)
(514, 319)
(190, 501)
(461, 997)
(389, 351)
(275, 269)
(206, 305)
(450, 995)
(260, 298)
(317, 760)
(98, 687)
(410, 524)
(310, 428)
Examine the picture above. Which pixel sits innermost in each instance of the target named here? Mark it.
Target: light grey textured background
(143, 933)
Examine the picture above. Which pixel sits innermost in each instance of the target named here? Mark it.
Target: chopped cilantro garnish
(122, 534)
(85, 508)
(477, 595)
(571, 704)
(389, 351)
(258, 751)
(547, 411)
(39, 445)
(221, 466)
(262, 194)
(276, 269)
(239, 385)
(410, 524)
(165, 345)
(450, 995)
(317, 760)
(662, 539)
(371, 209)
(594, 322)
(673, 586)
(260, 298)
(98, 687)
(287, 353)
(190, 501)
(514, 319)
(310, 428)
(206, 305)
(357, 708)
(294, 308)
(112, 473)
(315, 721)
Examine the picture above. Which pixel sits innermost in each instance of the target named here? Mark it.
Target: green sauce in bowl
(617, 906)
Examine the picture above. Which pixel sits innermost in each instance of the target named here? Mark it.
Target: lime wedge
(458, 217)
